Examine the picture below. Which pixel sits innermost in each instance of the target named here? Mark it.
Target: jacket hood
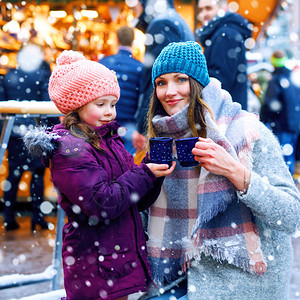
(157, 7)
(42, 141)
(229, 20)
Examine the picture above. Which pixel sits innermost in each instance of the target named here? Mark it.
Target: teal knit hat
(183, 57)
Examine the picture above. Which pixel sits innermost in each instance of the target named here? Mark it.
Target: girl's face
(99, 111)
(173, 91)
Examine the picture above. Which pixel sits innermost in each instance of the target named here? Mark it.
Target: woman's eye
(160, 83)
(182, 79)
(99, 104)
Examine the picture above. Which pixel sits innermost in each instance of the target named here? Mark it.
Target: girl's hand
(160, 170)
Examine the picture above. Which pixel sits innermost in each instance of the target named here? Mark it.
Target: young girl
(100, 188)
(228, 220)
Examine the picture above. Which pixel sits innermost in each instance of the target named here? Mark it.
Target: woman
(225, 225)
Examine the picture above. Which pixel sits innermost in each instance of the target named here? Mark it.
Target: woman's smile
(173, 101)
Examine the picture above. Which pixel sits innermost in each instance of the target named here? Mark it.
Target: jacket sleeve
(272, 194)
(2, 90)
(151, 196)
(282, 104)
(267, 115)
(88, 186)
(291, 100)
(44, 83)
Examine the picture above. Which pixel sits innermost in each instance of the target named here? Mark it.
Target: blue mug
(184, 149)
(161, 150)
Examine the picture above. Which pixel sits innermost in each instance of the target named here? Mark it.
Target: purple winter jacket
(104, 246)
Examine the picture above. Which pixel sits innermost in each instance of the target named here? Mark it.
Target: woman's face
(99, 111)
(173, 91)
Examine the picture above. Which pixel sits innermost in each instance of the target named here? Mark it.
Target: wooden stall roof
(259, 12)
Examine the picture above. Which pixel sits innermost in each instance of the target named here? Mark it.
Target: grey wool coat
(275, 202)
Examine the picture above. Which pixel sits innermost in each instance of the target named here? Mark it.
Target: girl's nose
(108, 111)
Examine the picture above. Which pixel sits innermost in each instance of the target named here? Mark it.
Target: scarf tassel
(219, 255)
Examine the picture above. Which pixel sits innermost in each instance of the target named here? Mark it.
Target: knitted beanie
(183, 57)
(77, 81)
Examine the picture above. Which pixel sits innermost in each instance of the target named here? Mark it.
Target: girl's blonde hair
(195, 112)
(81, 130)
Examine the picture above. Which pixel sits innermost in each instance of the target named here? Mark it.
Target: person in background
(129, 72)
(29, 81)
(161, 24)
(281, 109)
(222, 229)
(100, 188)
(223, 36)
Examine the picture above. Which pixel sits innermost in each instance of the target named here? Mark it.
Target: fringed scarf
(199, 213)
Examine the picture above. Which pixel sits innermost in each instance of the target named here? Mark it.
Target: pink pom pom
(68, 57)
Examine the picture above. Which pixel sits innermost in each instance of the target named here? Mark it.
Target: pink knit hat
(77, 81)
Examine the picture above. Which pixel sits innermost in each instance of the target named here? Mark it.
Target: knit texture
(77, 81)
(183, 57)
(276, 203)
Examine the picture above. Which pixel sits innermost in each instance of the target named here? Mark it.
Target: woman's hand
(215, 159)
(160, 170)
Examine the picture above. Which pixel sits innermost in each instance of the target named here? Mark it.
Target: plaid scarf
(199, 213)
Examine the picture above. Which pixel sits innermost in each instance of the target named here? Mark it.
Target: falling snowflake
(76, 209)
(46, 207)
(70, 260)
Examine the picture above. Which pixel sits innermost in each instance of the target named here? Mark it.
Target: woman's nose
(171, 89)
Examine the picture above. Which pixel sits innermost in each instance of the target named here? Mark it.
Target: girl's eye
(99, 104)
(113, 105)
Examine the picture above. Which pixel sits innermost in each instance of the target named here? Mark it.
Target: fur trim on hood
(40, 141)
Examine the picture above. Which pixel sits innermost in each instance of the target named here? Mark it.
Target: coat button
(76, 149)
(117, 248)
(67, 150)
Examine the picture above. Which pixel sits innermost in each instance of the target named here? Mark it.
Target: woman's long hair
(195, 112)
(81, 130)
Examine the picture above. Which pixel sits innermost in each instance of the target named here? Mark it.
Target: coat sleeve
(272, 194)
(290, 95)
(222, 63)
(88, 186)
(272, 93)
